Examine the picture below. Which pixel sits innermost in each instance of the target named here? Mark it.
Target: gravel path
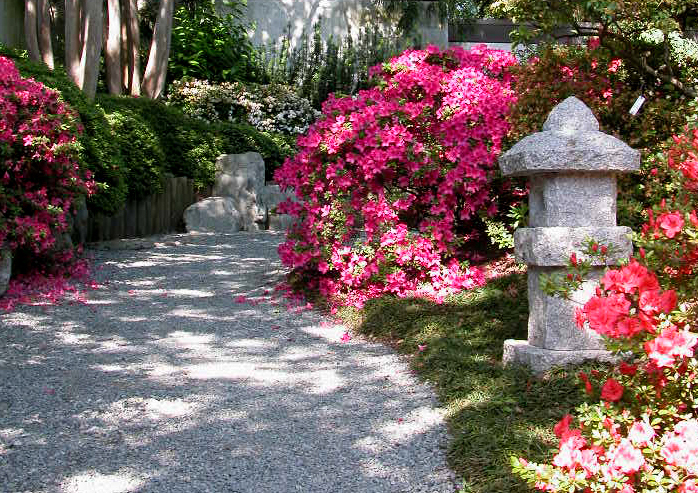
(164, 382)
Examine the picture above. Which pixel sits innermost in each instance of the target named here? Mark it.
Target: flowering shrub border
(387, 180)
(643, 434)
(39, 171)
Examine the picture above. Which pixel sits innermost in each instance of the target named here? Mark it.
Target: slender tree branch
(669, 79)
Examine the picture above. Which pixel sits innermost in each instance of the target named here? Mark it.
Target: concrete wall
(12, 23)
(273, 19)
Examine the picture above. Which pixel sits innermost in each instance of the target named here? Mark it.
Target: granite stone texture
(270, 197)
(551, 319)
(280, 222)
(571, 115)
(566, 146)
(572, 169)
(574, 200)
(5, 269)
(552, 247)
(236, 172)
(540, 360)
(213, 215)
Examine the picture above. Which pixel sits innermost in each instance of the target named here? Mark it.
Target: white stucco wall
(274, 18)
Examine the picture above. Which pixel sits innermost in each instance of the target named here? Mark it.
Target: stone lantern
(572, 169)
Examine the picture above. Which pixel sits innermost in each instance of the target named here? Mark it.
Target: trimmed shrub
(142, 152)
(179, 144)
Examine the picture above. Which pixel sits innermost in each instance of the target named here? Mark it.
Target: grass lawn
(493, 412)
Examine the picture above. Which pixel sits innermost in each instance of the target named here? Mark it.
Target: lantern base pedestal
(540, 360)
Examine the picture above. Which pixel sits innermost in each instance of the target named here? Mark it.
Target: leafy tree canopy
(655, 37)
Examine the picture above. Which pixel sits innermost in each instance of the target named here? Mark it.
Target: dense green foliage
(212, 47)
(179, 144)
(318, 68)
(99, 151)
(651, 36)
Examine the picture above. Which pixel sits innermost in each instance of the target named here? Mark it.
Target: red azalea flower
(611, 391)
(587, 384)
(671, 223)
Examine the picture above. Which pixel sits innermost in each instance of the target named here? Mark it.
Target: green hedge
(190, 146)
(128, 143)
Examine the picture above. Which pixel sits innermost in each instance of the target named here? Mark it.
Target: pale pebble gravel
(162, 382)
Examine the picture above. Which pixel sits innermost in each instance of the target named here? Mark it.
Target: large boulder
(270, 197)
(241, 177)
(280, 222)
(213, 215)
(236, 172)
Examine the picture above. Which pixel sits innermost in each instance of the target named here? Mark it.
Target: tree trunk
(93, 24)
(124, 46)
(156, 69)
(45, 44)
(30, 22)
(133, 31)
(72, 41)
(112, 54)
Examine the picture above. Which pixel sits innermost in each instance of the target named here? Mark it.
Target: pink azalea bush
(643, 433)
(387, 180)
(39, 172)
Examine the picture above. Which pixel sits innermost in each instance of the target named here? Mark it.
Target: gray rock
(552, 247)
(213, 215)
(5, 269)
(241, 177)
(280, 222)
(540, 360)
(570, 141)
(270, 197)
(235, 172)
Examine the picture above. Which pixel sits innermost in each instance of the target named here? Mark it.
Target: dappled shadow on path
(494, 412)
(163, 381)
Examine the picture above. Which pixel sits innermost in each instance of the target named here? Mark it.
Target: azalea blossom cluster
(644, 431)
(588, 72)
(39, 172)
(642, 435)
(386, 180)
(668, 238)
(268, 108)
